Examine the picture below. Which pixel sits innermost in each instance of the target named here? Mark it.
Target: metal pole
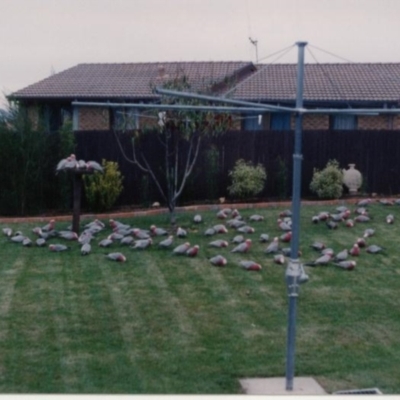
(294, 269)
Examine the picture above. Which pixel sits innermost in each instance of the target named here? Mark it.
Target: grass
(166, 324)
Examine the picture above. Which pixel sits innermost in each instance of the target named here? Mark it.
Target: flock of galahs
(230, 233)
(72, 164)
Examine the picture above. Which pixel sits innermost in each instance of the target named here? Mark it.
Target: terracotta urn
(352, 178)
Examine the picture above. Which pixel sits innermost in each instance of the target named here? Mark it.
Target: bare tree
(180, 134)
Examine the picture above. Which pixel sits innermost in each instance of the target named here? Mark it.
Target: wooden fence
(375, 153)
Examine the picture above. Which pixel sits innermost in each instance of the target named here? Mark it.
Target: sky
(41, 37)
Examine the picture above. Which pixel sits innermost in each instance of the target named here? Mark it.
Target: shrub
(327, 183)
(102, 190)
(247, 180)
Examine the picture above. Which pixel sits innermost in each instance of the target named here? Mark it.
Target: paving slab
(277, 386)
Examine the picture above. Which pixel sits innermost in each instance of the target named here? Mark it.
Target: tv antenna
(254, 42)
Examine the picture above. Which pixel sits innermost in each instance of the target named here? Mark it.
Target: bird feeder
(77, 168)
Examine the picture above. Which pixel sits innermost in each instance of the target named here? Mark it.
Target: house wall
(33, 115)
(94, 118)
(315, 122)
(377, 122)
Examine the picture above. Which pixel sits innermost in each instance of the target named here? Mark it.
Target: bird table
(77, 176)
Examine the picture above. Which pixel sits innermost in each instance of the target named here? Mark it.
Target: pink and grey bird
(219, 243)
(273, 247)
(390, 219)
(264, 238)
(193, 251)
(220, 228)
(181, 233)
(249, 265)
(323, 260)
(221, 214)
(58, 247)
(319, 246)
(374, 249)
(286, 237)
(218, 260)
(166, 242)
(238, 239)
(362, 218)
(127, 240)
(361, 242)
(355, 250)
(86, 249)
(7, 231)
(181, 249)
(256, 218)
(106, 242)
(49, 227)
(68, 235)
(348, 265)
(369, 232)
(197, 219)
(209, 232)
(140, 234)
(156, 231)
(242, 247)
(246, 229)
(40, 242)
(116, 257)
(279, 259)
(341, 256)
(142, 244)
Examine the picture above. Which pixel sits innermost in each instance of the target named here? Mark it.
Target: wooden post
(77, 202)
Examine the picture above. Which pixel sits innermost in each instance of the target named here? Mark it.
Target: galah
(235, 213)
(349, 223)
(106, 242)
(361, 242)
(286, 237)
(180, 232)
(218, 260)
(235, 223)
(94, 166)
(96, 222)
(220, 228)
(7, 231)
(209, 232)
(369, 232)
(156, 231)
(364, 202)
(192, 251)
(361, 211)
(319, 246)
(221, 214)
(374, 249)
(117, 224)
(142, 244)
(341, 256)
(327, 251)
(181, 249)
(166, 242)
(116, 257)
(390, 219)
(342, 209)
(284, 226)
(362, 218)
(70, 163)
(40, 242)
(49, 227)
(246, 229)
(227, 210)
(355, 250)
(61, 165)
(238, 239)
(86, 248)
(18, 238)
(323, 260)
(68, 235)
(349, 265)
(332, 224)
(85, 237)
(58, 247)
(140, 234)
(386, 202)
(256, 218)
(127, 240)
(27, 242)
(93, 230)
(116, 236)
(218, 243)
(123, 231)
(315, 219)
(249, 265)
(242, 247)
(279, 259)
(197, 219)
(323, 215)
(285, 213)
(264, 238)
(273, 247)
(337, 217)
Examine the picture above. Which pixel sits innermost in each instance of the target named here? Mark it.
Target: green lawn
(166, 324)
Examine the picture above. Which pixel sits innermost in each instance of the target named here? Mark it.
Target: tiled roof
(379, 82)
(127, 81)
(323, 82)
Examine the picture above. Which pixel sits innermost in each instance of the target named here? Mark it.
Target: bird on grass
(58, 247)
(323, 260)
(166, 242)
(116, 257)
(86, 248)
(181, 249)
(273, 247)
(219, 243)
(193, 251)
(242, 247)
(249, 265)
(142, 244)
(218, 260)
(347, 265)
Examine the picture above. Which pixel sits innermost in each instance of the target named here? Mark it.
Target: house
(326, 86)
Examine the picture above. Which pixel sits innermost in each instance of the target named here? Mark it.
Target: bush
(102, 190)
(327, 183)
(247, 180)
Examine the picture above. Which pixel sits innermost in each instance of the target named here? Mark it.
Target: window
(343, 122)
(280, 121)
(253, 123)
(125, 118)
